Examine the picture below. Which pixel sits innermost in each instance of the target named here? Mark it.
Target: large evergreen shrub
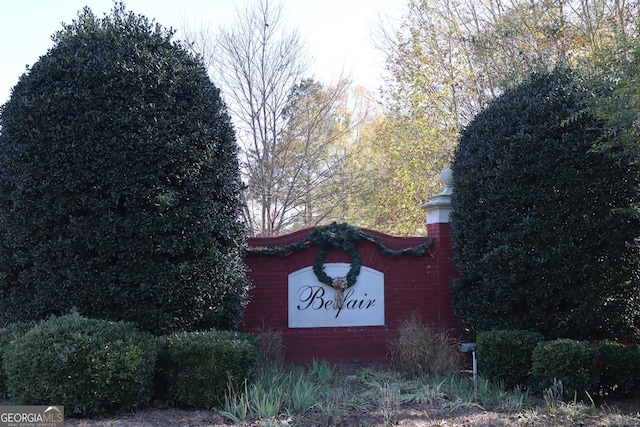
(119, 181)
(544, 227)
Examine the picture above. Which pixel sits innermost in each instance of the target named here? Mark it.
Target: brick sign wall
(287, 296)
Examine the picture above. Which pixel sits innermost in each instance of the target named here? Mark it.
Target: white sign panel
(312, 304)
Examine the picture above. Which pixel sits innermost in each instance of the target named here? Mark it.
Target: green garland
(344, 237)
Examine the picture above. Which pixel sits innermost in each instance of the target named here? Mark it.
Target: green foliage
(607, 368)
(196, 368)
(419, 349)
(505, 355)
(569, 361)
(7, 335)
(401, 158)
(619, 62)
(619, 368)
(542, 225)
(92, 367)
(119, 183)
(273, 392)
(322, 372)
(341, 236)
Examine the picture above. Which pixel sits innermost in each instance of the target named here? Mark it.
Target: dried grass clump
(419, 349)
(271, 350)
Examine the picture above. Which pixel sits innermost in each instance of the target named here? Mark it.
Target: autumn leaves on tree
(314, 152)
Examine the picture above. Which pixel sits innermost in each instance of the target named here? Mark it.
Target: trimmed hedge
(194, 368)
(618, 367)
(572, 362)
(7, 335)
(92, 367)
(522, 358)
(505, 355)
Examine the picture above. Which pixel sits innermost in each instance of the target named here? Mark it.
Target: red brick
(412, 285)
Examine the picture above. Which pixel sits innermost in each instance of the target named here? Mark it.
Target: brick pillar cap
(439, 207)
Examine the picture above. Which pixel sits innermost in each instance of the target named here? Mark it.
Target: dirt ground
(405, 416)
(621, 412)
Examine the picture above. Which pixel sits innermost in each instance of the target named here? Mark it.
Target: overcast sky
(338, 33)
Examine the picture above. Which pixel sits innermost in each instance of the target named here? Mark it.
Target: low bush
(8, 334)
(505, 356)
(618, 368)
(569, 361)
(419, 349)
(196, 368)
(92, 367)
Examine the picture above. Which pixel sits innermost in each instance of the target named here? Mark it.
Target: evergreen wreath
(340, 236)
